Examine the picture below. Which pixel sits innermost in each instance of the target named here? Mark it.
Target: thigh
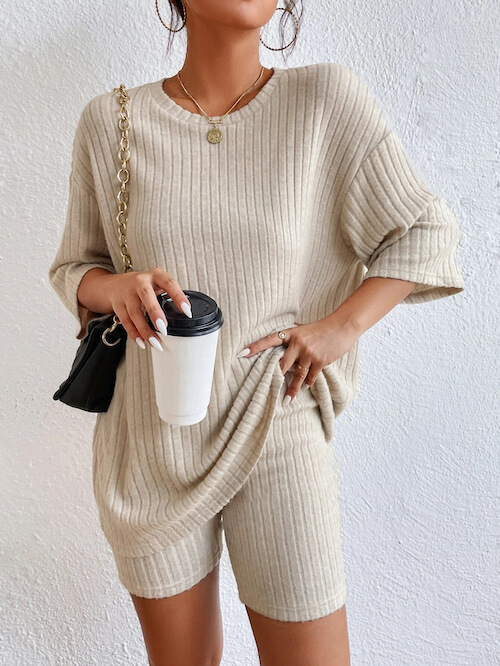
(320, 642)
(184, 629)
(176, 596)
(284, 537)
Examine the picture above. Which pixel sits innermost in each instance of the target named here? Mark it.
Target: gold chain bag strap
(122, 196)
(91, 381)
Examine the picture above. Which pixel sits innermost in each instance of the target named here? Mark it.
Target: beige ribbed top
(308, 188)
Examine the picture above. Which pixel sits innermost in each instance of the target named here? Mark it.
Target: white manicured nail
(243, 352)
(140, 342)
(160, 325)
(308, 386)
(155, 343)
(287, 399)
(186, 308)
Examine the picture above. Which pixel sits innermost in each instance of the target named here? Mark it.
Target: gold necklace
(214, 134)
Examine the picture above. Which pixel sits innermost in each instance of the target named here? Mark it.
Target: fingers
(270, 340)
(148, 298)
(149, 285)
(303, 370)
(123, 315)
(136, 295)
(140, 324)
(296, 345)
(169, 284)
(312, 375)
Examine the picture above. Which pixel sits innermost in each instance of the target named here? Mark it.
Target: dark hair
(177, 17)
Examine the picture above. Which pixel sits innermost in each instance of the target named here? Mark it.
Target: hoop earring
(296, 22)
(163, 22)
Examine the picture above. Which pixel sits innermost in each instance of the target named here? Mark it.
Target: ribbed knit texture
(308, 188)
(283, 530)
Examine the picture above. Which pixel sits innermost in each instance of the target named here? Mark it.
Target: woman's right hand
(133, 293)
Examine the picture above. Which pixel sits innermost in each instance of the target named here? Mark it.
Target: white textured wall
(418, 471)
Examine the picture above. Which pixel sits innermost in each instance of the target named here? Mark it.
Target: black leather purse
(91, 381)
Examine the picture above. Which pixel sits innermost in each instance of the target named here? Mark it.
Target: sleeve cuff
(426, 253)
(429, 287)
(426, 256)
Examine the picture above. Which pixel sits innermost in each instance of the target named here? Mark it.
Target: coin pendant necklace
(214, 135)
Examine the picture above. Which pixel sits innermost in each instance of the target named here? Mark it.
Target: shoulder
(101, 111)
(351, 104)
(335, 82)
(318, 77)
(332, 77)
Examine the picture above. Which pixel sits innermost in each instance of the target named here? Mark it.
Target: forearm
(371, 301)
(92, 292)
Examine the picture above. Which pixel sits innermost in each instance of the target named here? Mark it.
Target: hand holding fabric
(310, 347)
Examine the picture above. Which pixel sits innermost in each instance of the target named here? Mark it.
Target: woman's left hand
(310, 346)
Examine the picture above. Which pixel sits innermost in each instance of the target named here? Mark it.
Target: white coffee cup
(183, 371)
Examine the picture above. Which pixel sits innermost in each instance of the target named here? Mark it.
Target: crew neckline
(177, 111)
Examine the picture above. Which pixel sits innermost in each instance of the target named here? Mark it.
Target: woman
(270, 190)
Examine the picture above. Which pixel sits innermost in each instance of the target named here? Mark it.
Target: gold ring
(282, 335)
(302, 367)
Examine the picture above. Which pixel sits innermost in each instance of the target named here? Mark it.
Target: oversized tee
(309, 192)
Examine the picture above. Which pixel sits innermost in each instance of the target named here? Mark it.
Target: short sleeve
(83, 245)
(398, 228)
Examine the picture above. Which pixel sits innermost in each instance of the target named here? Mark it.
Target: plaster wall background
(419, 473)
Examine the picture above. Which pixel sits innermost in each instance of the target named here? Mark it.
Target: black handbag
(91, 381)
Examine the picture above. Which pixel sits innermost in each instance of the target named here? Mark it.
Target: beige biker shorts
(282, 529)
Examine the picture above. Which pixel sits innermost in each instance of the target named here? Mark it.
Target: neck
(221, 62)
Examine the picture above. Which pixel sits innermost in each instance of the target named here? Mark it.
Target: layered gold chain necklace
(214, 135)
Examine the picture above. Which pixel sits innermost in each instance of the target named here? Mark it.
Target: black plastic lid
(207, 316)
